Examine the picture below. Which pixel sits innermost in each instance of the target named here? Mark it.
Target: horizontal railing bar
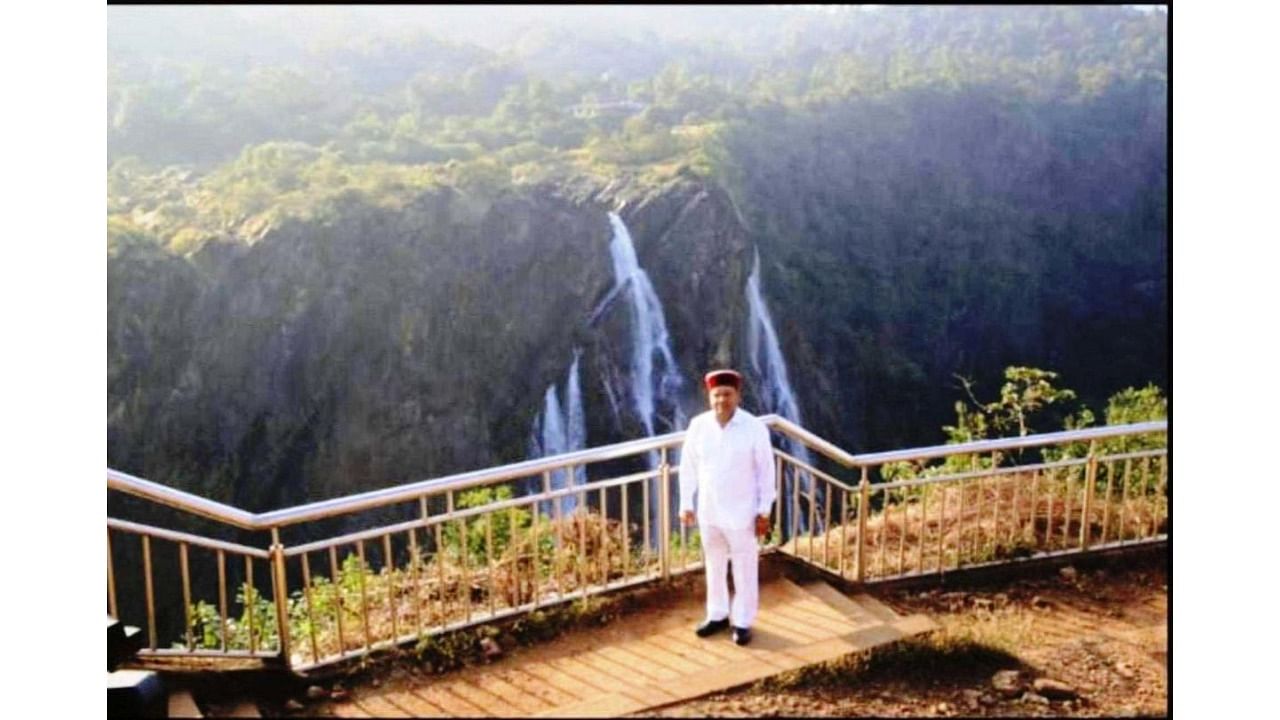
(1135, 455)
(364, 501)
(814, 470)
(462, 481)
(176, 536)
(124, 482)
(987, 472)
(786, 427)
(1029, 441)
(465, 513)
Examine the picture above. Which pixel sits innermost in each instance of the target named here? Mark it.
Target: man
(727, 463)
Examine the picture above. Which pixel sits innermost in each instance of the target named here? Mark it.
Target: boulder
(1007, 683)
(1054, 689)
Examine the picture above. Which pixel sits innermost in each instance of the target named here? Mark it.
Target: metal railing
(475, 547)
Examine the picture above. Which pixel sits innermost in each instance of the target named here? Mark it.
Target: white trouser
(719, 547)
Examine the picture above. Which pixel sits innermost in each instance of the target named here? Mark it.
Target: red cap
(716, 378)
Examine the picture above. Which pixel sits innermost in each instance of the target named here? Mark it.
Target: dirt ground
(1102, 634)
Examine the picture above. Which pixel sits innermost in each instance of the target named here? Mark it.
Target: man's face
(724, 400)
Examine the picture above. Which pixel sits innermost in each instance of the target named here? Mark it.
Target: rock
(981, 602)
(988, 699)
(315, 692)
(1124, 671)
(292, 705)
(1054, 689)
(376, 682)
(1068, 573)
(1007, 682)
(338, 694)
(491, 649)
(1031, 698)
(1041, 601)
(1001, 599)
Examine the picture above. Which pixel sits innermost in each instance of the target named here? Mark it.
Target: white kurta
(729, 470)
(729, 473)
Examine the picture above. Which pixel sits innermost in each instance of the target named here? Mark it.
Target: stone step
(863, 606)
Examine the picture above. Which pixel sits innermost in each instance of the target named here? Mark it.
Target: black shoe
(711, 627)
(742, 636)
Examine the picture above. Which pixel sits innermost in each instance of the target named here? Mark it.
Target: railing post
(664, 514)
(864, 494)
(1091, 474)
(278, 581)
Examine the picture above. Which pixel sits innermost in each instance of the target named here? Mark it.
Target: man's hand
(762, 525)
(687, 518)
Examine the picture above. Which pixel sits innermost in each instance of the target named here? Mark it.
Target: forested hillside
(349, 248)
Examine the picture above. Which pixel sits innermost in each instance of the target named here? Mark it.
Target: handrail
(195, 504)
(1020, 443)
(174, 498)
(513, 580)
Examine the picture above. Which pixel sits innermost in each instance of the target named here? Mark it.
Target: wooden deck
(642, 662)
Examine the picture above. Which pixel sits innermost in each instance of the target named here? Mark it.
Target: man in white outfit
(727, 464)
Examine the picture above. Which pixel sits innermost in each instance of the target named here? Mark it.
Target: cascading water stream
(776, 396)
(655, 381)
(561, 428)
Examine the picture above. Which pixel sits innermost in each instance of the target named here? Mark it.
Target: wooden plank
(823, 650)
(637, 663)
(475, 694)
(915, 625)
(875, 607)
(655, 650)
(585, 674)
(851, 606)
(778, 635)
(437, 694)
(528, 704)
(709, 653)
(535, 686)
(727, 677)
(414, 705)
(610, 705)
(348, 709)
(570, 686)
(808, 616)
(792, 629)
(377, 706)
(870, 637)
(834, 602)
(629, 678)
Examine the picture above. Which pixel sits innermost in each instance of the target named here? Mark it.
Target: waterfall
(776, 396)
(558, 429)
(655, 381)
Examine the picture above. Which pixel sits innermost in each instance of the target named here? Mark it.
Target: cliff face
(381, 346)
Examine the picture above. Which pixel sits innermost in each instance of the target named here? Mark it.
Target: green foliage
(478, 528)
(1025, 396)
(1026, 392)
